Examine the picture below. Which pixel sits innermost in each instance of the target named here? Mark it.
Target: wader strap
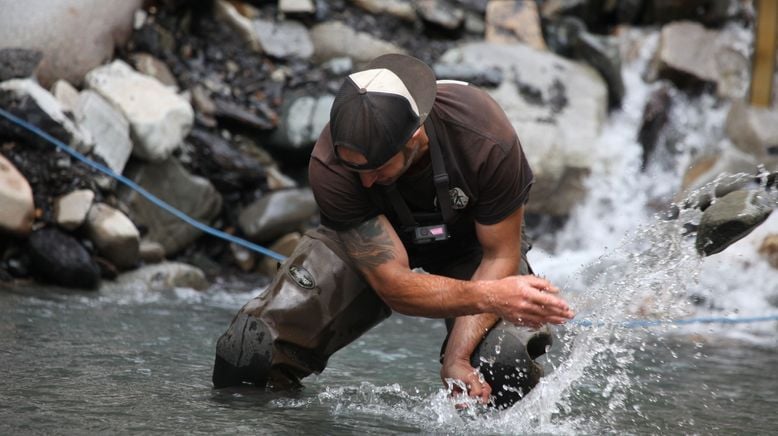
(440, 176)
(440, 179)
(400, 207)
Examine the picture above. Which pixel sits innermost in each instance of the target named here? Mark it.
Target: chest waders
(318, 303)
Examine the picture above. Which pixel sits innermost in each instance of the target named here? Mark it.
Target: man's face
(387, 173)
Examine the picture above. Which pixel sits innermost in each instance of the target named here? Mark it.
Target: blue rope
(702, 320)
(137, 188)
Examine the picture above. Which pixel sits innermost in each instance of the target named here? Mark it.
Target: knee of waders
(243, 353)
(506, 359)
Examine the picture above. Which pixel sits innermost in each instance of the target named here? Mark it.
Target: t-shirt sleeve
(342, 202)
(505, 179)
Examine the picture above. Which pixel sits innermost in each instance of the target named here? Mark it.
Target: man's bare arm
(379, 254)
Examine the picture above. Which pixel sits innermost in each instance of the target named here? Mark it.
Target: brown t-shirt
(482, 155)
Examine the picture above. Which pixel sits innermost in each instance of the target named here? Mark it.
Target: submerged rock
(158, 277)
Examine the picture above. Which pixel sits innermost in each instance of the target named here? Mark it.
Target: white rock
(80, 139)
(114, 235)
(70, 210)
(18, 209)
(284, 39)
(109, 128)
(159, 118)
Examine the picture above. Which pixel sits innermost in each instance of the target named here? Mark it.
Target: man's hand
(460, 370)
(527, 300)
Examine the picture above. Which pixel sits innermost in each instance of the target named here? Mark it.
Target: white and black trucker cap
(377, 110)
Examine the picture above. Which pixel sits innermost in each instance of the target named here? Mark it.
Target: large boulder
(753, 130)
(74, 36)
(170, 182)
(18, 208)
(694, 58)
(159, 118)
(557, 108)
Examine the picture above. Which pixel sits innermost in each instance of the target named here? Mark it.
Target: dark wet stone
(18, 63)
(602, 53)
(730, 219)
(226, 110)
(655, 115)
(58, 258)
(225, 165)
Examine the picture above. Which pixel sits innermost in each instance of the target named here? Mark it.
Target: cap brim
(417, 76)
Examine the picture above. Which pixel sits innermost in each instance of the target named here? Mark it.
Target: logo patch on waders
(302, 277)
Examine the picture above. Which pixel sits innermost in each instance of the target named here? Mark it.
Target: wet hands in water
(458, 374)
(530, 301)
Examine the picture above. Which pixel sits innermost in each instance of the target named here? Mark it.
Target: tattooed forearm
(368, 244)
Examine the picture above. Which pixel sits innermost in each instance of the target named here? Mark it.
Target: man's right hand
(527, 300)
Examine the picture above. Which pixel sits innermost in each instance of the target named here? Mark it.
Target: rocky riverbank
(213, 106)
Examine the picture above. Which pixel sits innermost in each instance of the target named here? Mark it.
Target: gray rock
(693, 58)
(169, 181)
(730, 219)
(339, 66)
(151, 251)
(473, 5)
(277, 213)
(18, 63)
(158, 277)
(70, 210)
(284, 39)
(440, 13)
(302, 121)
(26, 99)
(334, 40)
(108, 127)
(752, 129)
(58, 258)
(73, 35)
(114, 235)
(18, 209)
(230, 168)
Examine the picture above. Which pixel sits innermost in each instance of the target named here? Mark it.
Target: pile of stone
(213, 107)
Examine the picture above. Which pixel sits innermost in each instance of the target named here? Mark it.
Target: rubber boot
(243, 353)
(506, 359)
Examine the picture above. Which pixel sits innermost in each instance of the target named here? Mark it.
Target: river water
(133, 361)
